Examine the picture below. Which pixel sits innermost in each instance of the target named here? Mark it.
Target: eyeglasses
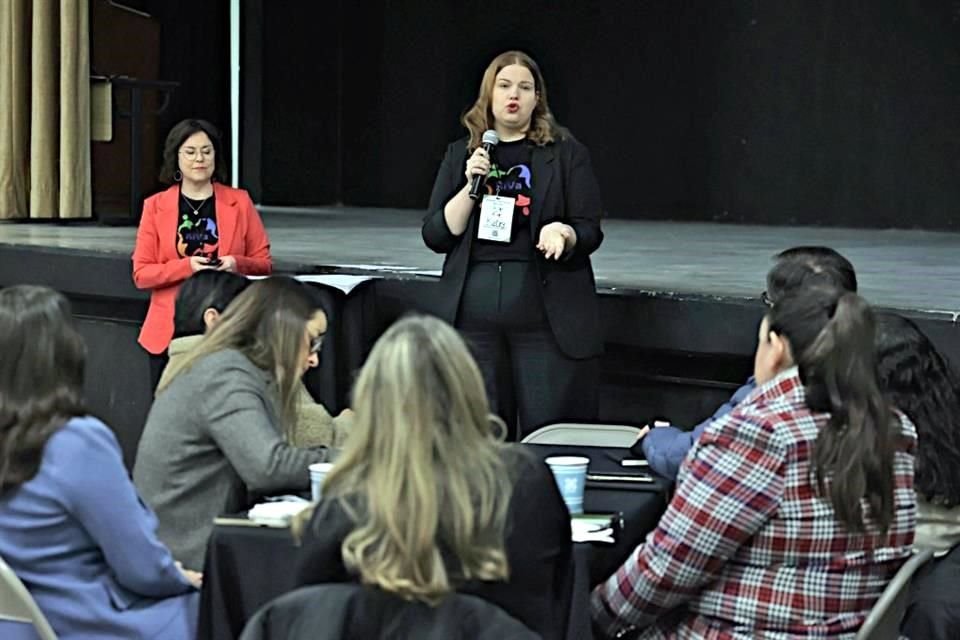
(191, 154)
(765, 299)
(316, 344)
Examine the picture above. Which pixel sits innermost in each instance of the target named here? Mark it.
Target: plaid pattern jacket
(746, 548)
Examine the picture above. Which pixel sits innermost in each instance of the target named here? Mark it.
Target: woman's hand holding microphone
(478, 164)
(457, 210)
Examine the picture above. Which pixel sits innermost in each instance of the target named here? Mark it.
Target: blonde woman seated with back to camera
(215, 436)
(426, 498)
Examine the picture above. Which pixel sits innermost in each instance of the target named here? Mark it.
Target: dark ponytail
(831, 334)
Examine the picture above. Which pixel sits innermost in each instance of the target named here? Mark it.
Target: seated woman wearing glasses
(201, 301)
(198, 223)
(71, 524)
(426, 498)
(218, 430)
(792, 512)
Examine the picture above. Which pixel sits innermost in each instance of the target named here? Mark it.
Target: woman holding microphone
(517, 280)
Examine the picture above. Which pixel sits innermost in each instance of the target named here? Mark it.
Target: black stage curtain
(791, 112)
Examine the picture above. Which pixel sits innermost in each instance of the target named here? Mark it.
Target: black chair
(351, 611)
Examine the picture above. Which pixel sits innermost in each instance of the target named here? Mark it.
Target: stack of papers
(592, 529)
(277, 513)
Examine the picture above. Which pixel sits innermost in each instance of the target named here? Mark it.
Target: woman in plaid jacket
(793, 511)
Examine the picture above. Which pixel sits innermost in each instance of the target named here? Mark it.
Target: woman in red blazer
(198, 223)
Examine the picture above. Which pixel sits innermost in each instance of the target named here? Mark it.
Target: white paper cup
(318, 472)
(570, 472)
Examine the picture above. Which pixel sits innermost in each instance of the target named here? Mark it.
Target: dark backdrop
(195, 51)
(184, 41)
(796, 111)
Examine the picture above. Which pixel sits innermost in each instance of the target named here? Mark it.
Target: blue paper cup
(570, 472)
(318, 471)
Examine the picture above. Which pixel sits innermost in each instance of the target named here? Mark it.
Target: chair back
(585, 435)
(17, 605)
(883, 622)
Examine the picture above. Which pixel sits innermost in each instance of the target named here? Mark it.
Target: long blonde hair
(425, 457)
(267, 323)
(478, 118)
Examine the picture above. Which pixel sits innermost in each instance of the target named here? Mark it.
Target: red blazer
(157, 266)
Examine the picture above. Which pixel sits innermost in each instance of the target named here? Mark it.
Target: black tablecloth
(641, 506)
(246, 566)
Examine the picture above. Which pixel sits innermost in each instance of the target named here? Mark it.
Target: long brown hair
(831, 334)
(478, 118)
(921, 382)
(267, 323)
(41, 377)
(425, 456)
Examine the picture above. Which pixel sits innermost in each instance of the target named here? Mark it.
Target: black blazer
(565, 190)
(348, 612)
(538, 546)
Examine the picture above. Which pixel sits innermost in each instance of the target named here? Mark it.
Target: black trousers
(933, 612)
(529, 380)
(157, 364)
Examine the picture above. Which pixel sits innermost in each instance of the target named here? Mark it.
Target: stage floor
(916, 270)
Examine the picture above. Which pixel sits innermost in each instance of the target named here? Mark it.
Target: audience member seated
(666, 446)
(792, 512)
(202, 299)
(426, 498)
(215, 436)
(920, 382)
(73, 528)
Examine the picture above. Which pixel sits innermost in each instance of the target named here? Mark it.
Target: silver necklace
(196, 212)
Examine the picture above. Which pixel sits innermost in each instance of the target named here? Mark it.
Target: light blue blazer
(85, 546)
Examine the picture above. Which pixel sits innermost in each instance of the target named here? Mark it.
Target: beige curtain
(44, 109)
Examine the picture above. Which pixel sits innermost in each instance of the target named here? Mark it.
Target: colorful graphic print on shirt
(515, 182)
(197, 236)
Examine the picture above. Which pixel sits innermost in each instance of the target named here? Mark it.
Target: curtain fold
(75, 189)
(44, 109)
(14, 109)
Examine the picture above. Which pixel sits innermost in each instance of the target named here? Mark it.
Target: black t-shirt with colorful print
(510, 176)
(197, 232)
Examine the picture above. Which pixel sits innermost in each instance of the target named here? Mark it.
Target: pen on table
(627, 462)
(606, 477)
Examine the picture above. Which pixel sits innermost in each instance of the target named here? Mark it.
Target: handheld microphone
(489, 141)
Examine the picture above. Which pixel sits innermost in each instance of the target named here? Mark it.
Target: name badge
(496, 219)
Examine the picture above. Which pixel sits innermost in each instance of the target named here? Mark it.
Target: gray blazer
(212, 436)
